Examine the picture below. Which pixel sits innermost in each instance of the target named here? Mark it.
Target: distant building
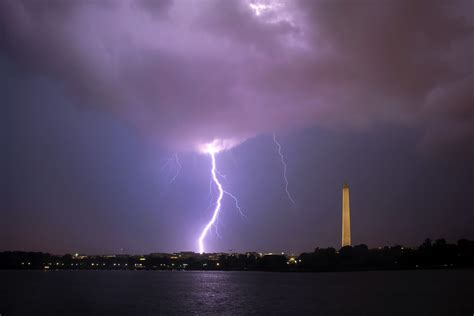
(161, 255)
(187, 254)
(346, 217)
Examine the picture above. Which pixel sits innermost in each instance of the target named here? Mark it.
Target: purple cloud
(186, 72)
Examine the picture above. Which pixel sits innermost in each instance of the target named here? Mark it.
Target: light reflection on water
(236, 293)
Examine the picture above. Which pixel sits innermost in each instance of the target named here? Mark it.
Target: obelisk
(346, 217)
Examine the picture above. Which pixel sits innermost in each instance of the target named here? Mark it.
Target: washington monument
(346, 217)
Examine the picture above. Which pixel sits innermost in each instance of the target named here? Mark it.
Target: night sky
(99, 97)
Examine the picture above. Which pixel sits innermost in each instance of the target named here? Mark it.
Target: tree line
(437, 254)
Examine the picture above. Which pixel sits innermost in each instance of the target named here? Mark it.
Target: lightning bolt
(218, 202)
(178, 169)
(169, 168)
(237, 205)
(284, 169)
(233, 197)
(212, 149)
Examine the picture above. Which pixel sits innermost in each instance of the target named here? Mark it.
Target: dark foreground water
(236, 293)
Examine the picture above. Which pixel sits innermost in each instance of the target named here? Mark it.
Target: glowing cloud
(218, 145)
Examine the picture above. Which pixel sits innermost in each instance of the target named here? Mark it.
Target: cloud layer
(186, 72)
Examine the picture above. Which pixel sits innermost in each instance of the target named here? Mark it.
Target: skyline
(108, 106)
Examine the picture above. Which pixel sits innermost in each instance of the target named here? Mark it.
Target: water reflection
(235, 293)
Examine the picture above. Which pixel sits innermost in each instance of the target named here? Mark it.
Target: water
(432, 292)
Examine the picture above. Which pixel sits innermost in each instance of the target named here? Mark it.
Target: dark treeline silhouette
(438, 254)
(428, 255)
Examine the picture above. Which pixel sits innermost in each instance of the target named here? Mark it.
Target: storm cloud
(187, 72)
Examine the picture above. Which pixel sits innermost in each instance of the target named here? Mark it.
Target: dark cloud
(186, 72)
(159, 8)
(368, 62)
